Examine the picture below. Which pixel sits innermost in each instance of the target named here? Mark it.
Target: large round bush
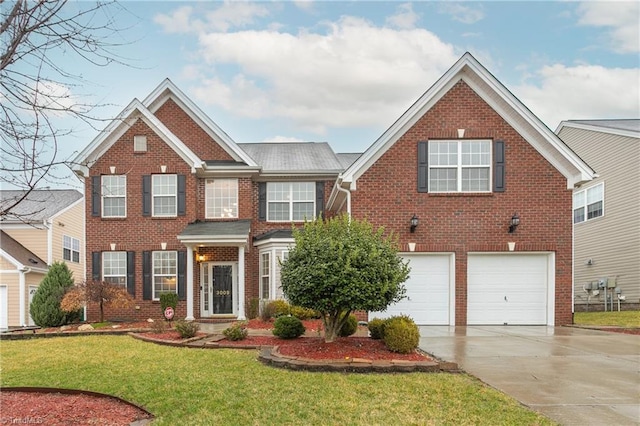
(401, 334)
(288, 327)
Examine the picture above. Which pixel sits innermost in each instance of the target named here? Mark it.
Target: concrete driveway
(571, 375)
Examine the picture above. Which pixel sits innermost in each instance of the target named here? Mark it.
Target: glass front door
(217, 289)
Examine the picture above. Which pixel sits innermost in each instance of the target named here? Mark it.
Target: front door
(217, 288)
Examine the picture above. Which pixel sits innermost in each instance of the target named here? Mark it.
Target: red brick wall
(387, 195)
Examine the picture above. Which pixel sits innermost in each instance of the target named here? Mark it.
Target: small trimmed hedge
(401, 334)
(349, 327)
(376, 328)
(237, 331)
(288, 327)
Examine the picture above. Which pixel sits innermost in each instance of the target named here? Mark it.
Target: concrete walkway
(571, 375)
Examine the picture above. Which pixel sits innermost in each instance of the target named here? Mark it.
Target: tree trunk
(101, 311)
(333, 322)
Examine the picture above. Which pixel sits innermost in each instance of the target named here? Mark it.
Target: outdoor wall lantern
(201, 257)
(414, 223)
(515, 221)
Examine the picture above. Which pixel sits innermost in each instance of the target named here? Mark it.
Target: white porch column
(190, 316)
(241, 294)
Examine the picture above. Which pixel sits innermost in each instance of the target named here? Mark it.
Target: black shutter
(423, 166)
(262, 201)
(182, 277)
(131, 273)
(96, 268)
(146, 195)
(95, 195)
(319, 199)
(182, 195)
(498, 167)
(147, 293)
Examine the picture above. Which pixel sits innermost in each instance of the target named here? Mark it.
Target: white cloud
(460, 13)
(280, 139)
(622, 19)
(352, 74)
(582, 92)
(231, 14)
(405, 18)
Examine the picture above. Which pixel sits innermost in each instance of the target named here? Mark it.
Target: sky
(343, 72)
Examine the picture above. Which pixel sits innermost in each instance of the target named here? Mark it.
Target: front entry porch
(218, 289)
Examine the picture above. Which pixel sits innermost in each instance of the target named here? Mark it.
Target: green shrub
(45, 306)
(168, 299)
(288, 327)
(349, 327)
(187, 329)
(254, 308)
(237, 331)
(158, 326)
(401, 334)
(376, 328)
(304, 313)
(280, 308)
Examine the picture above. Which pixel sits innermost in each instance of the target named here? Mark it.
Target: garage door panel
(427, 296)
(507, 289)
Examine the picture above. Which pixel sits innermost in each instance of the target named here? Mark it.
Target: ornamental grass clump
(401, 334)
(237, 331)
(187, 329)
(288, 327)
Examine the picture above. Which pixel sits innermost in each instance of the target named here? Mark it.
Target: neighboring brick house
(47, 226)
(173, 204)
(606, 218)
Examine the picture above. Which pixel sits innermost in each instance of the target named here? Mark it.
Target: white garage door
(4, 308)
(428, 291)
(513, 289)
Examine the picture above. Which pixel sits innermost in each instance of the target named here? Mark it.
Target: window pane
(113, 207)
(66, 254)
(578, 215)
(76, 257)
(302, 211)
(443, 180)
(578, 199)
(222, 198)
(475, 179)
(303, 191)
(476, 153)
(594, 194)
(165, 268)
(164, 206)
(594, 210)
(114, 267)
(443, 153)
(278, 211)
(277, 191)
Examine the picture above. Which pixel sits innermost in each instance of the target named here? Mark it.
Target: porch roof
(234, 233)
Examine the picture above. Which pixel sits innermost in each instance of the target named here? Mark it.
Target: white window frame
(160, 256)
(265, 274)
(217, 204)
(584, 203)
(109, 194)
(140, 143)
(290, 201)
(72, 245)
(119, 278)
(155, 195)
(459, 167)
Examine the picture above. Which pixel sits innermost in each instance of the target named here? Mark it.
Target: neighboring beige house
(46, 227)
(606, 213)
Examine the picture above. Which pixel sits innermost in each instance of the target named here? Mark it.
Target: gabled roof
(19, 255)
(216, 233)
(122, 123)
(145, 110)
(167, 90)
(495, 94)
(38, 205)
(620, 127)
(347, 158)
(294, 158)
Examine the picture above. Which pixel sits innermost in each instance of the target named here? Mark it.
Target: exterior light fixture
(515, 221)
(414, 223)
(201, 258)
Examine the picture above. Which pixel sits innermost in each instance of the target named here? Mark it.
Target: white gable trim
(134, 111)
(19, 266)
(468, 69)
(596, 128)
(167, 90)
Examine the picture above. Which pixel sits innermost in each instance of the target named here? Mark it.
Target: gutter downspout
(346, 191)
(22, 294)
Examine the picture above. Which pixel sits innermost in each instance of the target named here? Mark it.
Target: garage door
(428, 291)
(511, 289)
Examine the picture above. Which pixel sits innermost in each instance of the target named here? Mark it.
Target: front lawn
(225, 386)
(627, 319)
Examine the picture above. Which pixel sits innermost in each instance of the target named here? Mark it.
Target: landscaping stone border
(26, 336)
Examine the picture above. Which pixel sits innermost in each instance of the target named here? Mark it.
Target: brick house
(174, 204)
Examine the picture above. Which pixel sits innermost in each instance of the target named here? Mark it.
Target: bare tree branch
(38, 90)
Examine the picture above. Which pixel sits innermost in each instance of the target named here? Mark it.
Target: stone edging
(111, 332)
(140, 336)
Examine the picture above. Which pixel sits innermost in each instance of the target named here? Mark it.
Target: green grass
(619, 319)
(231, 387)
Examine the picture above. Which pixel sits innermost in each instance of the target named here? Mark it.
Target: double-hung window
(114, 196)
(70, 249)
(164, 195)
(165, 273)
(114, 267)
(265, 275)
(221, 198)
(290, 201)
(460, 166)
(588, 204)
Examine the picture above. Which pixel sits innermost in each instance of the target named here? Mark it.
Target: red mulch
(54, 409)
(171, 335)
(258, 324)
